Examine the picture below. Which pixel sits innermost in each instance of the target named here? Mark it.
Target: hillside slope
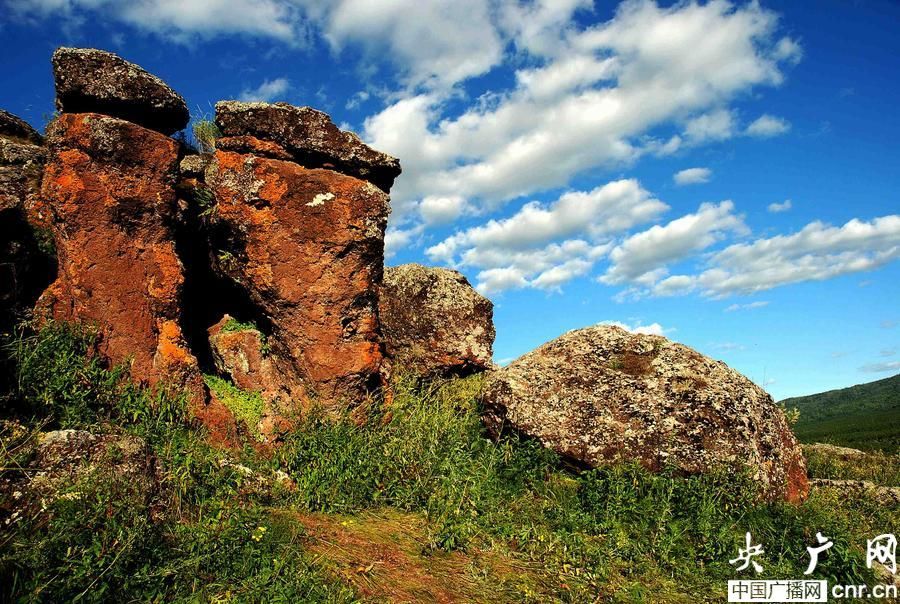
(865, 416)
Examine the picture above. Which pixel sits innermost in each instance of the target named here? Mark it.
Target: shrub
(205, 133)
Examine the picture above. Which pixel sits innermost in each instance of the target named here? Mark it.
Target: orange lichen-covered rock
(307, 246)
(109, 186)
(242, 352)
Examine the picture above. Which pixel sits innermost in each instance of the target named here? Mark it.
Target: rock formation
(109, 184)
(310, 137)
(307, 246)
(601, 394)
(434, 323)
(242, 353)
(26, 265)
(58, 460)
(96, 81)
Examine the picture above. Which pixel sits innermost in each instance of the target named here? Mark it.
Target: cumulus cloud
(587, 99)
(545, 245)
(715, 126)
(692, 176)
(784, 206)
(269, 90)
(653, 329)
(766, 126)
(179, 20)
(816, 252)
(642, 259)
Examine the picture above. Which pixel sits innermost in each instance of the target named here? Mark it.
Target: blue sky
(723, 173)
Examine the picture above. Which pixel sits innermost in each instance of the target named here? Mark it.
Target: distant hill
(866, 416)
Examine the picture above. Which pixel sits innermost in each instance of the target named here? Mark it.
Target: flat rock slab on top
(95, 81)
(17, 128)
(311, 138)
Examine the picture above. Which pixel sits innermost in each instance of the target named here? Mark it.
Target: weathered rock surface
(59, 461)
(253, 146)
(885, 496)
(243, 353)
(110, 187)
(15, 128)
(26, 266)
(307, 246)
(601, 394)
(96, 81)
(434, 323)
(310, 137)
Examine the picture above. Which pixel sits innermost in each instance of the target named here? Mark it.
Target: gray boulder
(602, 395)
(434, 323)
(95, 81)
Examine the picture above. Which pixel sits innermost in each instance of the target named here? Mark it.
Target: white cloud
(817, 252)
(440, 210)
(715, 126)
(587, 99)
(692, 176)
(748, 306)
(641, 259)
(436, 44)
(269, 90)
(552, 241)
(784, 206)
(881, 367)
(653, 329)
(766, 126)
(788, 50)
(177, 19)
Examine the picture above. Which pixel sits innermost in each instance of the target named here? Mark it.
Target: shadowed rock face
(307, 246)
(96, 81)
(15, 128)
(109, 185)
(243, 354)
(310, 137)
(26, 264)
(601, 394)
(434, 323)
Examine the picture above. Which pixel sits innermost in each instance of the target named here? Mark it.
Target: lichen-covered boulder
(601, 394)
(26, 262)
(243, 353)
(307, 246)
(310, 137)
(109, 184)
(15, 128)
(63, 463)
(434, 323)
(95, 81)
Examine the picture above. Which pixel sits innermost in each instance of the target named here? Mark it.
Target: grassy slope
(414, 505)
(866, 416)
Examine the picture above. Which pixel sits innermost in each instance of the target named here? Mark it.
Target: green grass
(866, 416)
(873, 466)
(618, 534)
(205, 133)
(247, 407)
(233, 325)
